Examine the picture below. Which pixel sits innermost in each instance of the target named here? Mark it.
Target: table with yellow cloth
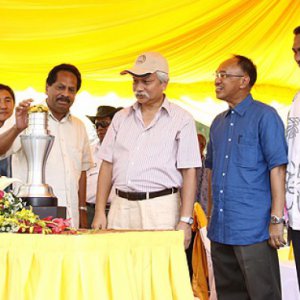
(138, 265)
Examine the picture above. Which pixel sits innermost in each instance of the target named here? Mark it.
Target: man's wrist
(277, 220)
(82, 208)
(187, 220)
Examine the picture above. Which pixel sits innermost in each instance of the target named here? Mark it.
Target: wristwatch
(188, 220)
(277, 220)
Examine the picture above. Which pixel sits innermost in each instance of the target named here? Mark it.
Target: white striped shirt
(148, 159)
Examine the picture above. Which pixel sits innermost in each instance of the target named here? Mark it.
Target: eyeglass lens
(102, 124)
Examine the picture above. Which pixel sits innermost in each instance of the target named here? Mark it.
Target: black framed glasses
(102, 124)
(224, 75)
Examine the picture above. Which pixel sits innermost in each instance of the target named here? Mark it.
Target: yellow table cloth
(124, 265)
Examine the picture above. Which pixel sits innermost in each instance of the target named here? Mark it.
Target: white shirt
(293, 167)
(92, 176)
(69, 156)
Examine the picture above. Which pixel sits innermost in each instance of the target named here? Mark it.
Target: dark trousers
(295, 235)
(189, 255)
(246, 272)
(90, 215)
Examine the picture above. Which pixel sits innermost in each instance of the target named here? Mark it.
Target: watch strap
(188, 220)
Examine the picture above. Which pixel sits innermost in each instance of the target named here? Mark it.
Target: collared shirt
(245, 144)
(69, 156)
(148, 158)
(92, 176)
(293, 168)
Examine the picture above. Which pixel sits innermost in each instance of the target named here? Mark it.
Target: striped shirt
(149, 158)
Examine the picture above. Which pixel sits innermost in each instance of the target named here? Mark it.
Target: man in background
(7, 105)
(150, 154)
(293, 168)
(202, 184)
(101, 122)
(247, 156)
(70, 155)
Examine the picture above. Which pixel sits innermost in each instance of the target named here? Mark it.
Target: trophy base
(40, 201)
(53, 211)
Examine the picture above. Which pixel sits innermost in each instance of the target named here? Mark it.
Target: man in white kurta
(70, 155)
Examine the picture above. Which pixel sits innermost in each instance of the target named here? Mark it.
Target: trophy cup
(37, 143)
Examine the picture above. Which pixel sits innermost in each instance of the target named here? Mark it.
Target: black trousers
(295, 235)
(246, 272)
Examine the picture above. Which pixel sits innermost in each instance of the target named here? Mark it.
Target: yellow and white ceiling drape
(103, 37)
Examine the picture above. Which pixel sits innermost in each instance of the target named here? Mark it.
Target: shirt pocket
(76, 159)
(246, 152)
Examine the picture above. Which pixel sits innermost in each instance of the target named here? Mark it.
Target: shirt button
(221, 191)
(229, 140)
(231, 124)
(232, 112)
(226, 156)
(223, 174)
(221, 209)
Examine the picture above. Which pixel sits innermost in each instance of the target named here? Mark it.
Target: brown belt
(136, 196)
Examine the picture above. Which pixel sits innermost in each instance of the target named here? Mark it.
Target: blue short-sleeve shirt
(245, 144)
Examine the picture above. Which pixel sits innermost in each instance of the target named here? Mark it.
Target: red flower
(1, 194)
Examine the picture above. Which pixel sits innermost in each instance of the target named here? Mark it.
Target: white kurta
(69, 156)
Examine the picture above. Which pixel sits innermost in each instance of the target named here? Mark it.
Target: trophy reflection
(37, 143)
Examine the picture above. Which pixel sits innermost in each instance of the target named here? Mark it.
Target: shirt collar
(165, 105)
(66, 118)
(242, 107)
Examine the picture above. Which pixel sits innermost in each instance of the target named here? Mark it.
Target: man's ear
(164, 85)
(245, 81)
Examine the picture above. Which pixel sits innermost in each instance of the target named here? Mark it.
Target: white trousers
(157, 213)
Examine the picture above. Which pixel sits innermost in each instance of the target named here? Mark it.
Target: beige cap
(148, 62)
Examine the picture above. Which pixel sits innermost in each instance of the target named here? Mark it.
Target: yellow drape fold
(114, 266)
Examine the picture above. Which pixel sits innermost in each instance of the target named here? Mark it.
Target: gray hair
(162, 76)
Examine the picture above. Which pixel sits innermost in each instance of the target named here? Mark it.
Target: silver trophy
(37, 143)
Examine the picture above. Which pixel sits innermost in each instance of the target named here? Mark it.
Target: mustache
(63, 98)
(142, 94)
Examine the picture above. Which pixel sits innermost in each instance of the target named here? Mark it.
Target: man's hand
(22, 114)
(187, 232)
(276, 239)
(99, 221)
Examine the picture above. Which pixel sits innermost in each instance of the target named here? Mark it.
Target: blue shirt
(245, 144)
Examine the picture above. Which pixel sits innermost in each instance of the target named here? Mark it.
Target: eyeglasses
(224, 75)
(102, 124)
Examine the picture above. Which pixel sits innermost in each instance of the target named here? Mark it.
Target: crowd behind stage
(147, 168)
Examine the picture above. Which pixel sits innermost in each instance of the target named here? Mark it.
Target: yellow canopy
(103, 37)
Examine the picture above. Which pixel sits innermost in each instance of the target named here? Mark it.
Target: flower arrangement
(14, 217)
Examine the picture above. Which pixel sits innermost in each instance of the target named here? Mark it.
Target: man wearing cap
(101, 121)
(150, 154)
